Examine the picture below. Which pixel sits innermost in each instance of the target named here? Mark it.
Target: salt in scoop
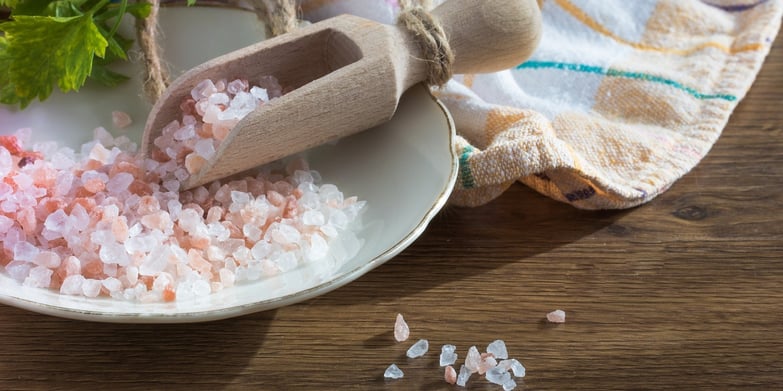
(346, 74)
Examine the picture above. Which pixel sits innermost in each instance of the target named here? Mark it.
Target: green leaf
(191, 2)
(7, 94)
(30, 7)
(118, 49)
(45, 51)
(9, 3)
(105, 76)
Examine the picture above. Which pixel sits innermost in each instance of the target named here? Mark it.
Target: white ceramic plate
(404, 169)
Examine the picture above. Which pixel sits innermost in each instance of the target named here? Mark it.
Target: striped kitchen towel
(621, 99)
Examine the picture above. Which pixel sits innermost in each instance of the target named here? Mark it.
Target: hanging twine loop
(279, 15)
(156, 75)
(432, 40)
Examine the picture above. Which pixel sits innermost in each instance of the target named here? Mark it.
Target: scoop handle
(490, 35)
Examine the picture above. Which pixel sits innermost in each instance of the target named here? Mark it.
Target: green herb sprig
(62, 43)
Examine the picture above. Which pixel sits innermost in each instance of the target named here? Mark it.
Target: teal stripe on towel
(466, 176)
(619, 73)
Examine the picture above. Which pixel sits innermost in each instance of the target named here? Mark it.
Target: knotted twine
(431, 39)
(280, 16)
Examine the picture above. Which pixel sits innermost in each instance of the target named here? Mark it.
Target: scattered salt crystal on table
(448, 355)
(487, 362)
(418, 349)
(473, 359)
(556, 316)
(464, 375)
(450, 375)
(498, 349)
(515, 366)
(393, 372)
(401, 330)
(498, 375)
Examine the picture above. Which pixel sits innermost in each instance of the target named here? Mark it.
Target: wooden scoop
(347, 75)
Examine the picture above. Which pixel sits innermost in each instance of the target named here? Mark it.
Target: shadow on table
(462, 242)
(110, 356)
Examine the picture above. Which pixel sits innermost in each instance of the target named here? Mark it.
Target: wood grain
(684, 293)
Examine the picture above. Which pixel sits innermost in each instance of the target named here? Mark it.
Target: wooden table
(683, 293)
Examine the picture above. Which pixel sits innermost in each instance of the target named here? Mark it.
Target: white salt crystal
(240, 198)
(515, 366)
(218, 99)
(252, 232)
(393, 372)
(448, 355)
(318, 248)
(162, 281)
(284, 234)
(203, 89)
(338, 218)
(260, 250)
(227, 277)
(72, 285)
(401, 329)
(260, 94)
(99, 153)
(418, 349)
(5, 224)
(24, 251)
(235, 86)
(103, 136)
(201, 288)
(464, 375)
(498, 349)
(91, 287)
(156, 262)
(556, 316)
(509, 384)
(205, 148)
(39, 277)
(6, 162)
(498, 375)
(473, 359)
(313, 217)
(172, 185)
(79, 218)
(286, 261)
(119, 182)
(114, 253)
(18, 270)
(112, 284)
(186, 132)
(48, 259)
(57, 221)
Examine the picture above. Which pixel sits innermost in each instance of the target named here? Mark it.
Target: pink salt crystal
(450, 375)
(120, 119)
(194, 163)
(488, 362)
(473, 359)
(47, 259)
(221, 131)
(556, 316)
(401, 329)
